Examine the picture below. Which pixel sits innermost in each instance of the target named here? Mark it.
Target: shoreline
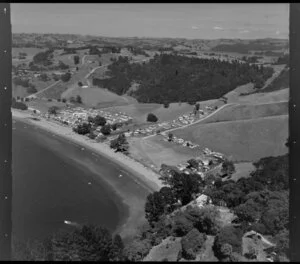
(136, 171)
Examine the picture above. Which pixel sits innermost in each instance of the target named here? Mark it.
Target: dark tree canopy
(105, 130)
(197, 79)
(152, 118)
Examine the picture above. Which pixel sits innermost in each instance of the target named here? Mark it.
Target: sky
(191, 21)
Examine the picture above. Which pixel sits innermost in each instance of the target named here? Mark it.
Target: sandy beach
(133, 169)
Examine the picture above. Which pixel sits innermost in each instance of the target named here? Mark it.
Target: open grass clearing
(243, 140)
(94, 97)
(248, 111)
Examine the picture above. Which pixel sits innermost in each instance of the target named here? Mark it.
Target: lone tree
(228, 168)
(99, 120)
(82, 129)
(66, 77)
(53, 110)
(152, 118)
(78, 99)
(192, 243)
(106, 130)
(44, 77)
(31, 89)
(76, 59)
(120, 144)
(80, 84)
(170, 136)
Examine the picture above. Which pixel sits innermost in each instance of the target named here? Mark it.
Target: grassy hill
(267, 97)
(95, 97)
(243, 140)
(248, 111)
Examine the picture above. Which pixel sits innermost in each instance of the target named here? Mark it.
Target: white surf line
(176, 128)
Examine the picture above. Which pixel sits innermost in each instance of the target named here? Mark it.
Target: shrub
(204, 219)
(106, 130)
(91, 135)
(31, 89)
(64, 100)
(82, 129)
(151, 118)
(19, 105)
(53, 110)
(166, 105)
(228, 235)
(49, 100)
(192, 244)
(137, 250)
(58, 100)
(78, 99)
(182, 225)
(76, 59)
(228, 168)
(66, 77)
(99, 120)
(120, 144)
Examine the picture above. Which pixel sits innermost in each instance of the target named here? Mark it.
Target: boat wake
(71, 223)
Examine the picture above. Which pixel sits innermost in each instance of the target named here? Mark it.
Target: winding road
(198, 121)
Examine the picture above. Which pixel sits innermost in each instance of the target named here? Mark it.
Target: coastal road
(82, 61)
(199, 121)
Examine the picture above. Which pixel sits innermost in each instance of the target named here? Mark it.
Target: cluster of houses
(180, 141)
(206, 161)
(74, 116)
(182, 120)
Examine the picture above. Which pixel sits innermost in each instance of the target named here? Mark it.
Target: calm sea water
(54, 181)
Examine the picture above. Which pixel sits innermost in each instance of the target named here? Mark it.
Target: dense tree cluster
(192, 243)
(106, 130)
(137, 51)
(44, 58)
(31, 89)
(44, 77)
(172, 78)
(120, 144)
(181, 187)
(66, 77)
(251, 59)
(285, 59)
(18, 105)
(246, 48)
(82, 129)
(85, 243)
(228, 240)
(76, 59)
(21, 81)
(53, 110)
(260, 201)
(94, 51)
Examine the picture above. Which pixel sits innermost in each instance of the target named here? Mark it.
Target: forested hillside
(173, 78)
